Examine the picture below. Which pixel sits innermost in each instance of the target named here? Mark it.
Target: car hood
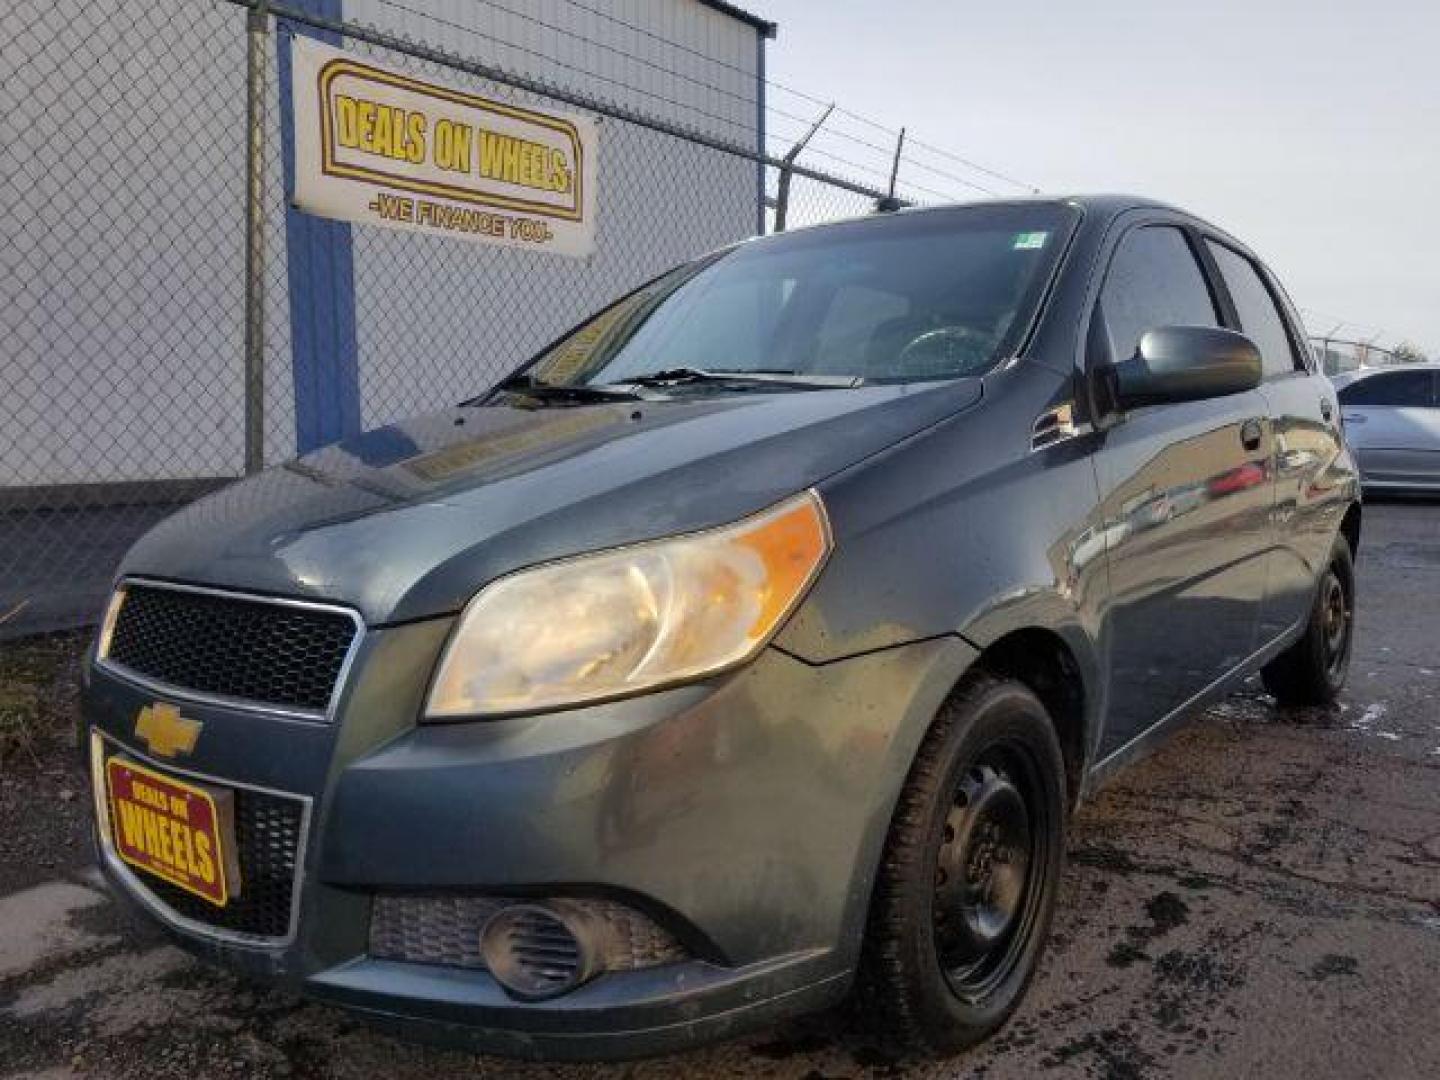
(410, 520)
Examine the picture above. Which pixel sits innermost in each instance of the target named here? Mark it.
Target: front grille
(445, 930)
(254, 650)
(267, 838)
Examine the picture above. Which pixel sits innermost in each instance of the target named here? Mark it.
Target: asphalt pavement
(1260, 898)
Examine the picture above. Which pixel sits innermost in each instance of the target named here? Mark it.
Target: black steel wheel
(1337, 615)
(983, 893)
(1313, 670)
(968, 882)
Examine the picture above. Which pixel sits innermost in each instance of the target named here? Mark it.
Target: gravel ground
(1259, 898)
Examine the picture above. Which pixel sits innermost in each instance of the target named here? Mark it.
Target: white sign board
(377, 146)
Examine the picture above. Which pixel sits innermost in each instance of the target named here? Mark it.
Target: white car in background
(1392, 422)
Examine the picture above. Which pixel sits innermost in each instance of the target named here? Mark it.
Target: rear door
(1393, 420)
(1186, 497)
(1311, 487)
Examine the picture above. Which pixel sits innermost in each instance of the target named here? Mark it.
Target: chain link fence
(140, 140)
(1339, 355)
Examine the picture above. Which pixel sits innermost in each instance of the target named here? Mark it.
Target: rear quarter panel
(1315, 483)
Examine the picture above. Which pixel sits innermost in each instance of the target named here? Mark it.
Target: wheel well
(1043, 662)
(1350, 528)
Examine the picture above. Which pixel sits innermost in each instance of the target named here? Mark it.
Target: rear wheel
(1313, 670)
(968, 882)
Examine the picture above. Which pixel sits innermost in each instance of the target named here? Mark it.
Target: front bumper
(745, 815)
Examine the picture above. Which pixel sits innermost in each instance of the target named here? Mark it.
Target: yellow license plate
(182, 833)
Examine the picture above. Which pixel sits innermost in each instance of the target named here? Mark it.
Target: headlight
(619, 622)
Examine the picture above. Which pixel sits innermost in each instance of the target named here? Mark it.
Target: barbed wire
(750, 100)
(880, 175)
(973, 165)
(911, 141)
(1339, 322)
(771, 110)
(662, 39)
(747, 126)
(887, 153)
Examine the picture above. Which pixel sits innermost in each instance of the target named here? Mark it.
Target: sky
(1311, 131)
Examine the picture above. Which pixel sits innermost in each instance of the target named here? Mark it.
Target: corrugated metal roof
(763, 25)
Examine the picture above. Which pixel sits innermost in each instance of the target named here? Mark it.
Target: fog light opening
(540, 951)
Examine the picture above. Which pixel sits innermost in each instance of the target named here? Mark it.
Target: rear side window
(1401, 389)
(1153, 281)
(1260, 318)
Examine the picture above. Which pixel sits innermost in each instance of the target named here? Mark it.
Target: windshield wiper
(800, 379)
(525, 383)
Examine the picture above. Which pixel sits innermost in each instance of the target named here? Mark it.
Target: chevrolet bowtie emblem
(165, 731)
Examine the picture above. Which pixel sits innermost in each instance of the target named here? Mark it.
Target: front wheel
(967, 885)
(1313, 670)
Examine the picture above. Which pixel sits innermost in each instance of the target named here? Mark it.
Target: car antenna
(888, 203)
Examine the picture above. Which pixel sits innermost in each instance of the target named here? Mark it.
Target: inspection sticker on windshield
(1030, 241)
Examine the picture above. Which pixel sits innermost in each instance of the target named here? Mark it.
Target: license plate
(180, 832)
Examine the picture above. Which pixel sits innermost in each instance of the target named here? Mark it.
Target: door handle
(1251, 433)
(1353, 418)
(1326, 410)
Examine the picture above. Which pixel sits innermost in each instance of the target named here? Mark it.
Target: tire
(943, 968)
(1313, 670)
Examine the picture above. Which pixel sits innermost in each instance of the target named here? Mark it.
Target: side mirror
(1184, 363)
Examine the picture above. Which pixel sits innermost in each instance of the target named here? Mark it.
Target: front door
(1187, 495)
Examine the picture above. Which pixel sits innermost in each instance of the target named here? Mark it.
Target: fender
(966, 530)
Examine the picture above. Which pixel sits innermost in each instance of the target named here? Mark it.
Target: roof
(1098, 209)
(1102, 206)
(1100, 203)
(766, 28)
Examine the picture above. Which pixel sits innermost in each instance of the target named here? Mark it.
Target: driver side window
(1153, 281)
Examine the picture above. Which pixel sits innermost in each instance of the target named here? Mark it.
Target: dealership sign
(375, 145)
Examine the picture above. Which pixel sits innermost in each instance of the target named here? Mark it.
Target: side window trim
(1294, 325)
(1225, 309)
(1225, 303)
(1299, 346)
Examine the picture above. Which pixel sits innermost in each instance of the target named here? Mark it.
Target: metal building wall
(121, 283)
(121, 255)
(657, 203)
(677, 60)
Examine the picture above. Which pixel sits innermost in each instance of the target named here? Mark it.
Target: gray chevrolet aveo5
(747, 649)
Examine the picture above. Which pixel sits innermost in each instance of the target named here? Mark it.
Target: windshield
(934, 295)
